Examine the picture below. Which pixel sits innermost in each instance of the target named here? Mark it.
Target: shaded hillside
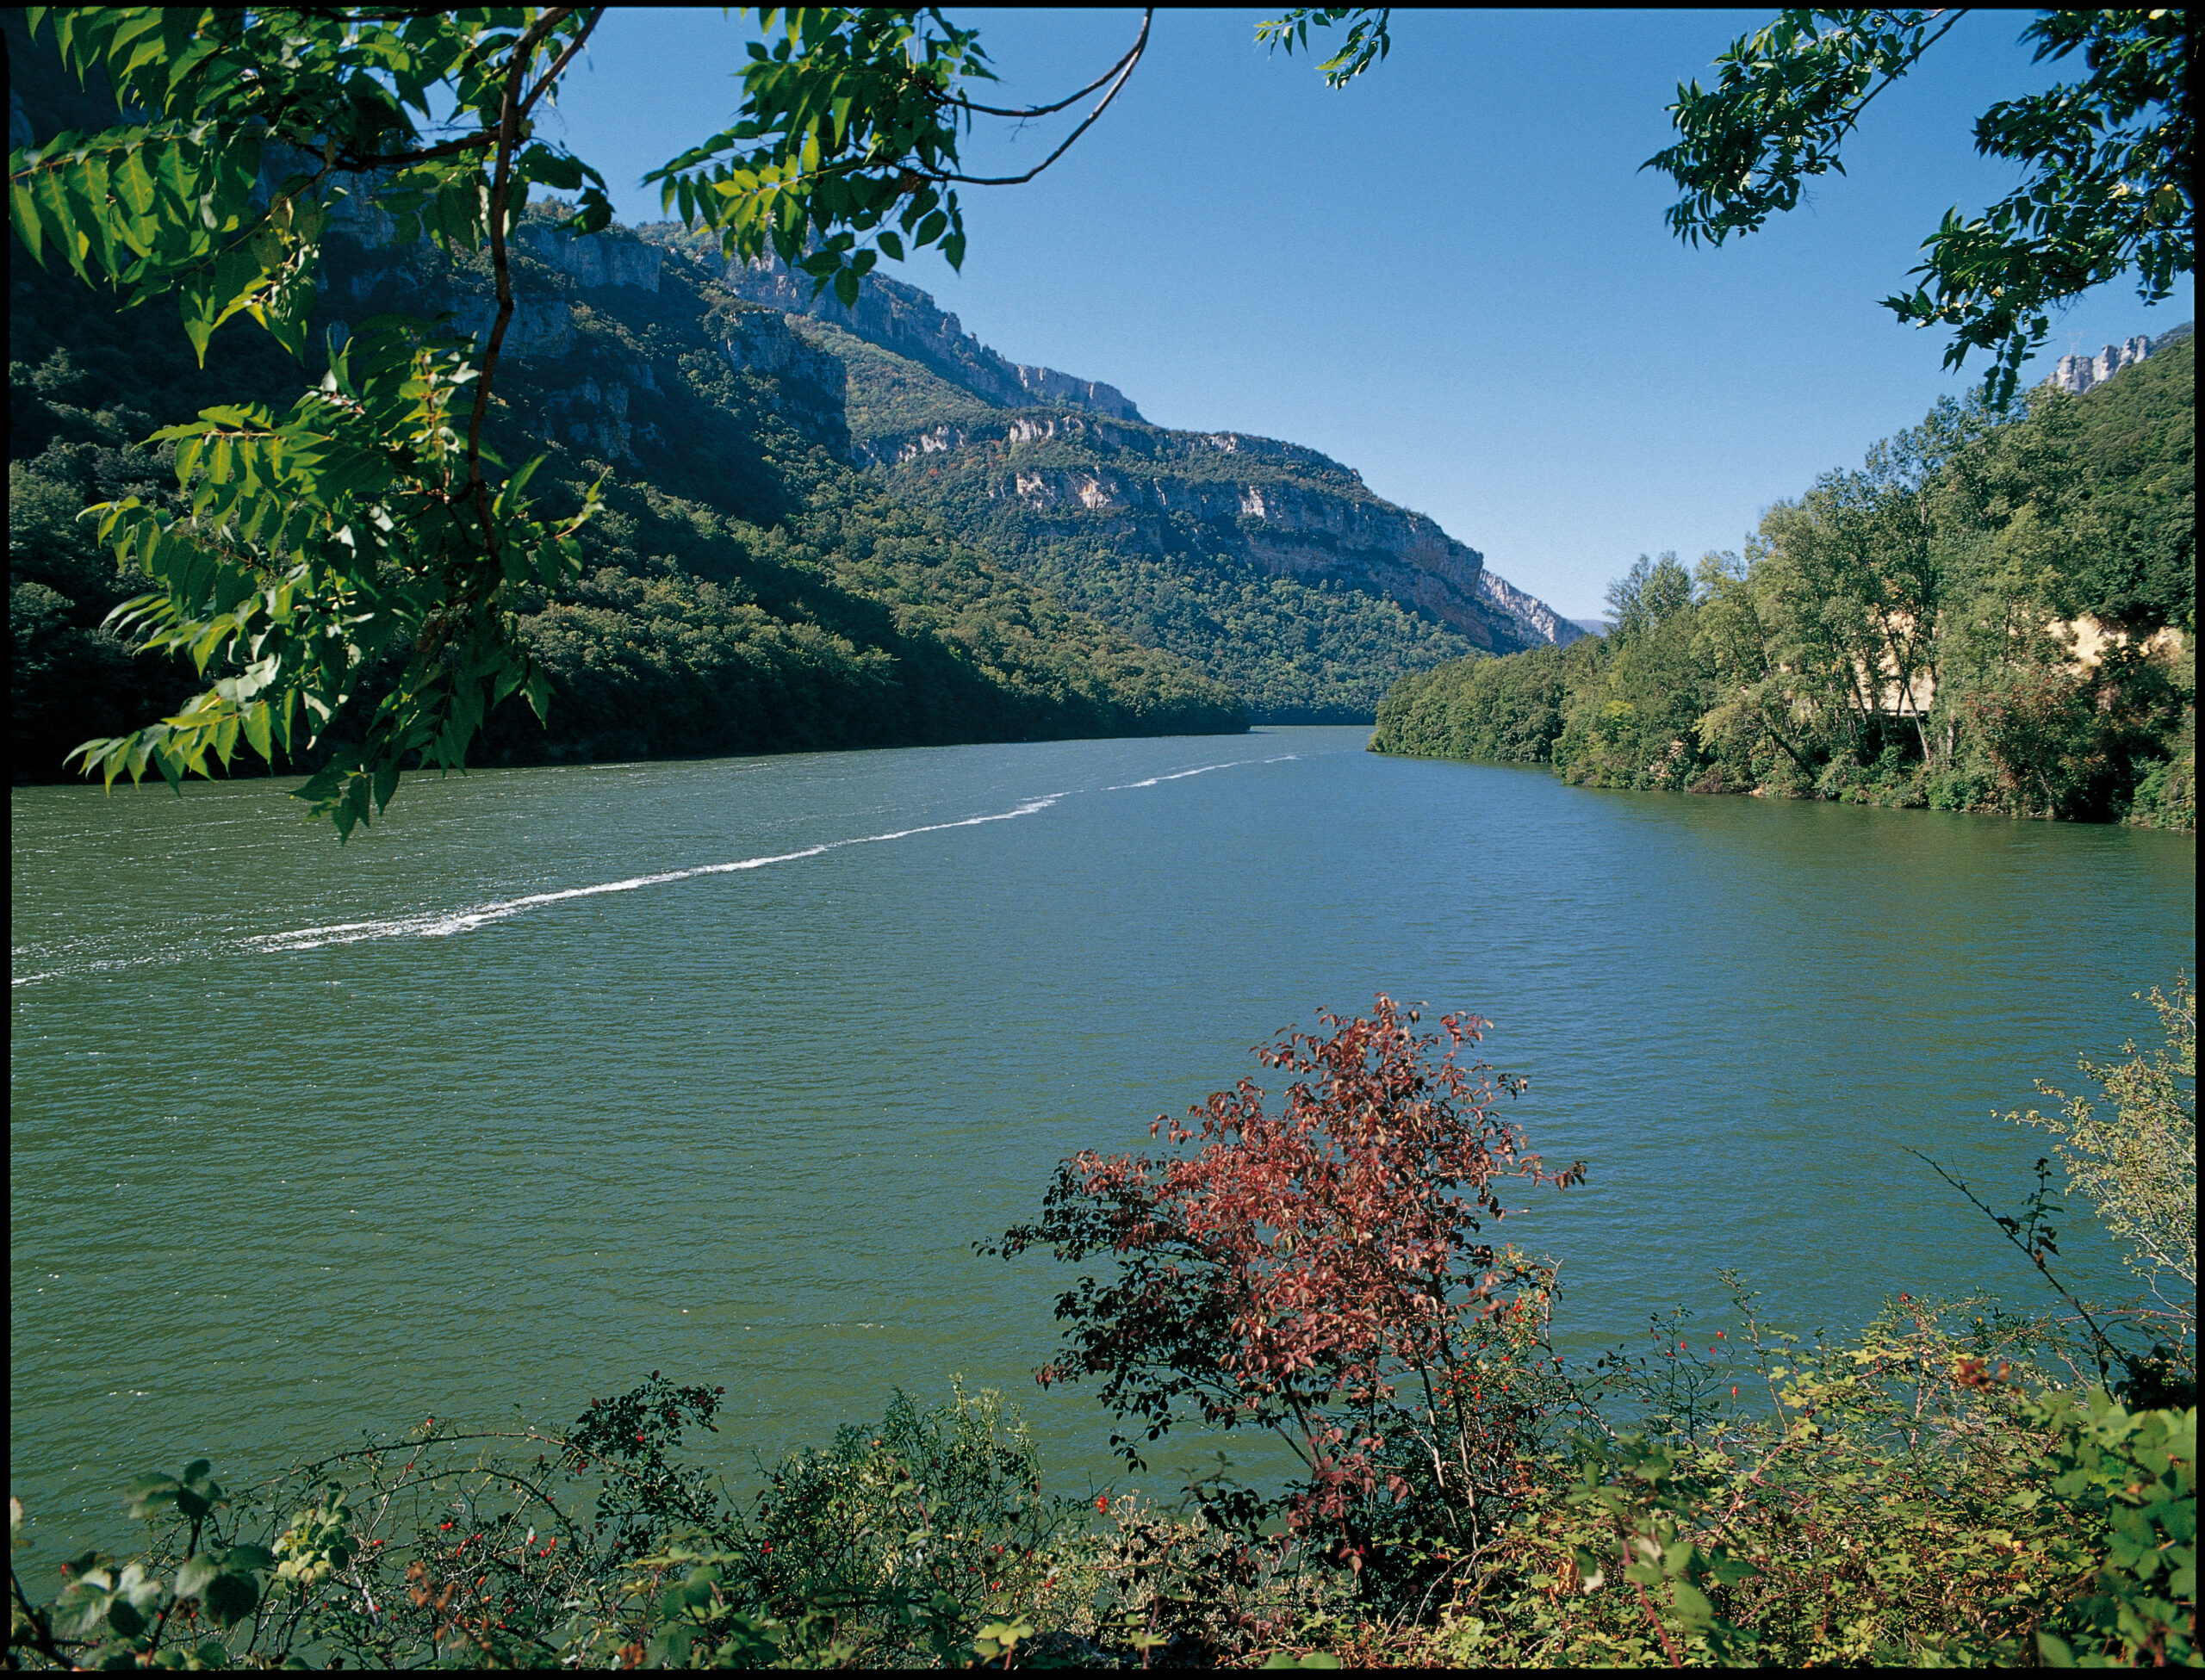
(747, 591)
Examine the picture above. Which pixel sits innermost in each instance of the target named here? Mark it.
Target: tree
(2111, 160)
(1648, 596)
(2139, 1164)
(374, 516)
(1322, 1272)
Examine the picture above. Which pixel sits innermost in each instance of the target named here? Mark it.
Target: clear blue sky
(1450, 276)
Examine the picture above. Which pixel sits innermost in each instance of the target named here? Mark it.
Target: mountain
(1269, 566)
(826, 527)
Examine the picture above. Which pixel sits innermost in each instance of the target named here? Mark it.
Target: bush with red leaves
(1323, 1272)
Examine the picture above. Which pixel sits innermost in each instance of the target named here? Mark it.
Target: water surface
(559, 1076)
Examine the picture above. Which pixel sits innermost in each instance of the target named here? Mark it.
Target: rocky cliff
(905, 319)
(2078, 374)
(1083, 500)
(926, 399)
(1536, 621)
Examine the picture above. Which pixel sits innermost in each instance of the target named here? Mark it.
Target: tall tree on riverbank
(1981, 617)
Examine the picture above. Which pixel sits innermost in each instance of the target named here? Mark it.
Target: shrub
(2138, 1165)
(1321, 1273)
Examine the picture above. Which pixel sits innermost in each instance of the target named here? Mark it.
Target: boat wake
(442, 924)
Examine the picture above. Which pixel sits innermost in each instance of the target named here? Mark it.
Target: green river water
(560, 1075)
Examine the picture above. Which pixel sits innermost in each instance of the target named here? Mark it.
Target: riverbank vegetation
(1957, 1484)
(1986, 616)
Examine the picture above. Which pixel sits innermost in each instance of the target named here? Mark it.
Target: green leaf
(191, 1578)
(540, 163)
(257, 731)
(23, 214)
(230, 1598)
(1692, 1604)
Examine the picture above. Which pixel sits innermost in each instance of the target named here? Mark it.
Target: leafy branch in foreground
(310, 546)
(2139, 1164)
(372, 519)
(1369, 39)
(2110, 162)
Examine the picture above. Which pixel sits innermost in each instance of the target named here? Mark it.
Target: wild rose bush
(1323, 1272)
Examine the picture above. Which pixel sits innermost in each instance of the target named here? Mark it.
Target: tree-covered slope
(780, 602)
(1993, 616)
(1270, 567)
(746, 590)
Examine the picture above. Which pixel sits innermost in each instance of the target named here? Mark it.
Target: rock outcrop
(905, 319)
(1070, 450)
(615, 257)
(1301, 530)
(2076, 373)
(804, 382)
(1537, 620)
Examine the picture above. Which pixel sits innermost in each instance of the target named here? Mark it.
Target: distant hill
(1269, 566)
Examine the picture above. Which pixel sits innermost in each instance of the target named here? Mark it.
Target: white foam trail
(440, 924)
(1180, 775)
(98, 967)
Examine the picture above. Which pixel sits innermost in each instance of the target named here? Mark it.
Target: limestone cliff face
(1291, 511)
(906, 320)
(611, 258)
(1288, 510)
(1335, 533)
(1537, 620)
(581, 383)
(802, 382)
(2078, 374)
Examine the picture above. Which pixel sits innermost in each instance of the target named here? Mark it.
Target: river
(559, 1076)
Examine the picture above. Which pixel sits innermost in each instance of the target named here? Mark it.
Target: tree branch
(1125, 69)
(964, 104)
(2104, 1343)
(559, 65)
(508, 136)
(1912, 59)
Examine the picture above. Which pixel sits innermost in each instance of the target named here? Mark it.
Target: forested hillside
(1985, 616)
(746, 590)
(828, 526)
(1269, 566)
(1202, 546)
